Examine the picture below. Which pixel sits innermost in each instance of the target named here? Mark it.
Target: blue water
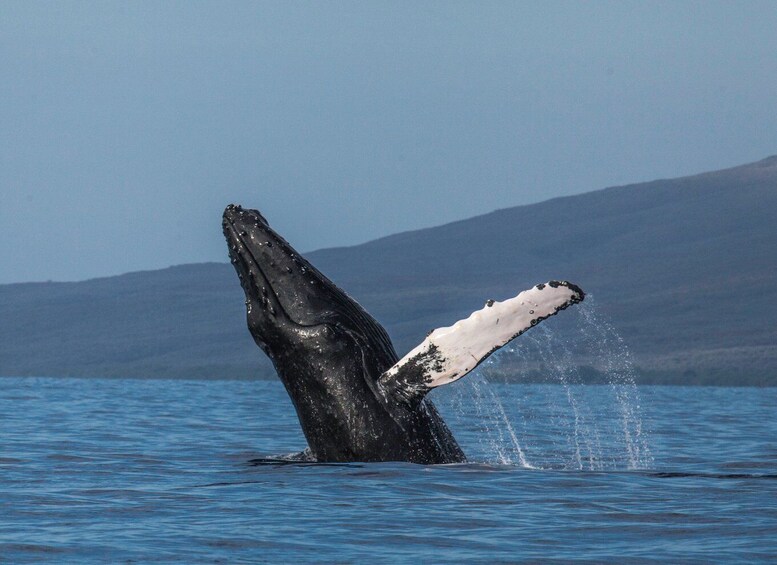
(156, 471)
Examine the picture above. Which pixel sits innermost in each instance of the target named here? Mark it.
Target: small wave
(283, 462)
(703, 475)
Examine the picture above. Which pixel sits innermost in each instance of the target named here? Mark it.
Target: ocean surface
(161, 471)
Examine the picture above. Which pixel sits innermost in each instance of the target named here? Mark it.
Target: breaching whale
(356, 401)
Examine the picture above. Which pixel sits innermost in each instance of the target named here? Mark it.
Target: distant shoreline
(682, 271)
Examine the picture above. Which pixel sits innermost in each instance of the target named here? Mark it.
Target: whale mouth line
(250, 261)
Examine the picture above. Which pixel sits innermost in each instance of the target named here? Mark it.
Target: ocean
(175, 471)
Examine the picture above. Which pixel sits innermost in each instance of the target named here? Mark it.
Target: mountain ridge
(667, 261)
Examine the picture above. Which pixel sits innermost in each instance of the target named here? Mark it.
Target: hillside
(684, 268)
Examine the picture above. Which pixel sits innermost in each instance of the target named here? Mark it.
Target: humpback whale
(355, 399)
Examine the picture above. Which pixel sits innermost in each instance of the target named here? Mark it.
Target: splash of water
(561, 423)
(608, 346)
(496, 438)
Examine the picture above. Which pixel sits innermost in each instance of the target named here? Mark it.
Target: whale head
(286, 296)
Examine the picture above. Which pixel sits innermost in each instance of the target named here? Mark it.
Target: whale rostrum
(355, 400)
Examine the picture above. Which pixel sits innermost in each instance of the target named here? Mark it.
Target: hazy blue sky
(126, 127)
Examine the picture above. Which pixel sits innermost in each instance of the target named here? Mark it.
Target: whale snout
(234, 212)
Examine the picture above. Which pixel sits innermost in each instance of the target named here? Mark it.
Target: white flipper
(447, 354)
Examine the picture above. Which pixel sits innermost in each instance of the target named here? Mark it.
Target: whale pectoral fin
(447, 354)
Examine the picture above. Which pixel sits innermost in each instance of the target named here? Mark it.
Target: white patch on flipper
(449, 353)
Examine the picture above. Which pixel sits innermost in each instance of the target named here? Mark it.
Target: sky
(126, 127)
